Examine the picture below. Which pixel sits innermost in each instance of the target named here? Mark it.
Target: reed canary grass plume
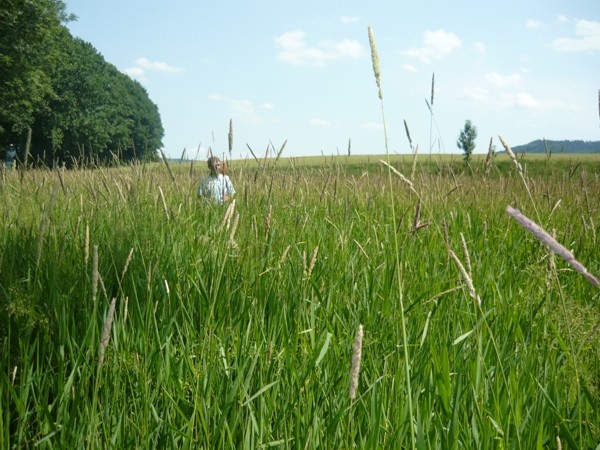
(488, 158)
(466, 255)
(164, 158)
(268, 221)
(127, 261)
(408, 134)
(230, 136)
(356, 356)
(466, 278)
(313, 260)
(106, 332)
(551, 243)
(511, 154)
(375, 60)
(95, 274)
(164, 203)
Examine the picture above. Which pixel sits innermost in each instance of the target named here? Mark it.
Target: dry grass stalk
(106, 332)
(86, 245)
(402, 177)
(414, 164)
(164, 203)
(95, 274)
(268, 221)
(488, 158)
(226, 223)
(511, 154)
(230, 136)
(375, 60)
(164, 158)
(127, 261)
(284, 254)
(466, 278)
(234, 227)
(551, 243)
(466, 255)
(313, 260)
(356, 357)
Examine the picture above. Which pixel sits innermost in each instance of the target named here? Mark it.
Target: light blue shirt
(214, 188)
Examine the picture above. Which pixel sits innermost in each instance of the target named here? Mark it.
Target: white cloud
(294, 50)
(157, 66)
(480, 46)
(533, 24)
(409, 68)
(436, 45)
(524, 100)
(347, 20)
(476, 93)
(502, 81)
(562, 19)
(267, 106)
(137, 73)
(372, 126)
(241, 109)
(588, 38)
(320, 122)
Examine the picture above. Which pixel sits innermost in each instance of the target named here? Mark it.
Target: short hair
(212, 163)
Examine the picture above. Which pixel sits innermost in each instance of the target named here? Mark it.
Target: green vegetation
(234, 327)
(61, 101)
(466, 140)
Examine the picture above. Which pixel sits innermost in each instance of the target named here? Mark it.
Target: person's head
(214, 164)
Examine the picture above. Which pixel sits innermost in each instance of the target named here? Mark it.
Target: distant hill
(539, 146)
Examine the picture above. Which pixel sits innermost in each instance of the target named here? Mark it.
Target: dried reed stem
(356, 357)
(551, 243)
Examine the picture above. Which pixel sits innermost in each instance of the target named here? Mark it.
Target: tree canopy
(77, 105)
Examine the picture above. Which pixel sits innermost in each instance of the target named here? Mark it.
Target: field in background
(133, 316)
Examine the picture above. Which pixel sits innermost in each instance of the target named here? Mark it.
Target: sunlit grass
(243, 338)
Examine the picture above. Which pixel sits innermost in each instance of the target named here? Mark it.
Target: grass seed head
(356, 357)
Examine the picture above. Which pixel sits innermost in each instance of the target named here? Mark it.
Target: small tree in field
(466, 140)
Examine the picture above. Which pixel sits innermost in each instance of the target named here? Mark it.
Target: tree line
(61, 102)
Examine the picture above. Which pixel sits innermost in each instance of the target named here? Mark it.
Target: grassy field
(131, 316)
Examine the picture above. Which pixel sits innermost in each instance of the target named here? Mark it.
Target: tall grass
(250, 345)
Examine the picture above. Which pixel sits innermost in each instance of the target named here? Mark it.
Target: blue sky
(302, 71)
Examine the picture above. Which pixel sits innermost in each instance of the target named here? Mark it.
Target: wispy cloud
(242, 109)
(410, 68)
(294, 50)
(436, 45)
(157, 66)
(476, 93)
(144, 65)
(319, 122)
(480, 46)
(533, 23)
(502, 81)
(524, 100)
(372, 126)
(348, 20)
(588, 38)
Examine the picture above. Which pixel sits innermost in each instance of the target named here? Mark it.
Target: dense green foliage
(466, 140)
(233, 328)
(79, 107)
(558, 147)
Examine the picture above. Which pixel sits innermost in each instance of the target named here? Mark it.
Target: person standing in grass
(216, 186)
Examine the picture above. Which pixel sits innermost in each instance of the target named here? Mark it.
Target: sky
(301, 71)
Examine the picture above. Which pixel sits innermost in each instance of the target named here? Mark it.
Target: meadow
(134, 316)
